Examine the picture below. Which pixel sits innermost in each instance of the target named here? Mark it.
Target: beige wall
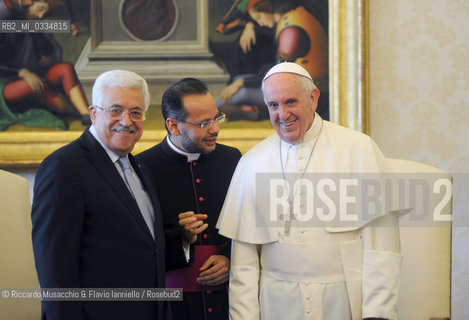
(419, 77)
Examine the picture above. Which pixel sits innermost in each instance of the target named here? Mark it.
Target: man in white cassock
(321, 269)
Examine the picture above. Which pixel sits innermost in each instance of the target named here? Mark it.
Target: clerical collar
(114, 156)
(315, 129)
(190, 156)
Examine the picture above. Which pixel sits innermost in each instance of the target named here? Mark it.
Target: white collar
(190, 156)
(315, 129)
(310, 135)
(114, 156)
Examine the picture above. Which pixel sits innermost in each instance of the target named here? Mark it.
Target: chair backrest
(17, 268)
(425, 287)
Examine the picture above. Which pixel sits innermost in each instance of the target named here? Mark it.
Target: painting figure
(253, 46)
(38, 87)
(300, 36)
(244, 58)
(32, 9)
(10, 8)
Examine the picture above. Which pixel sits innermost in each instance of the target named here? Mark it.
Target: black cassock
(198, 186)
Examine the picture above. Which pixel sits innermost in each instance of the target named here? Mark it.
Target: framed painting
(109, 34)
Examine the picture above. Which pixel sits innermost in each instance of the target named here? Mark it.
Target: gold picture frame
(348, 85)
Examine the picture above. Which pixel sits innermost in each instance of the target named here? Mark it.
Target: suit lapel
(103, 164)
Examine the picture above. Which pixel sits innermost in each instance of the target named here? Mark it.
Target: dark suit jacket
(89, 233)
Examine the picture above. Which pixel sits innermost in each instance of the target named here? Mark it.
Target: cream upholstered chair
(17, 261)
(425, 285)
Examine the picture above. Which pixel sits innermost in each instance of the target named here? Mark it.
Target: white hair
(119, 78)
(307, 84)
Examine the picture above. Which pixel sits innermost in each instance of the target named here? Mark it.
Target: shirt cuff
(186, 247)
(380, 282)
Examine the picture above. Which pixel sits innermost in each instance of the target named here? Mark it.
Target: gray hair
(307, 84)
(119, 78)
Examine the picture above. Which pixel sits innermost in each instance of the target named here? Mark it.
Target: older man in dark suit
(96, 217)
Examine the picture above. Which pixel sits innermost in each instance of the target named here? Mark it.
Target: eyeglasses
(208, 124)
(117, 114)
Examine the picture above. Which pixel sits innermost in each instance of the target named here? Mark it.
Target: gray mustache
(121, 128)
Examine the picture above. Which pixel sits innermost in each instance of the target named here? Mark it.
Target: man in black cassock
(192, 174)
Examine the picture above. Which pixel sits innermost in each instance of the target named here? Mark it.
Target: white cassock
(323, 272)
